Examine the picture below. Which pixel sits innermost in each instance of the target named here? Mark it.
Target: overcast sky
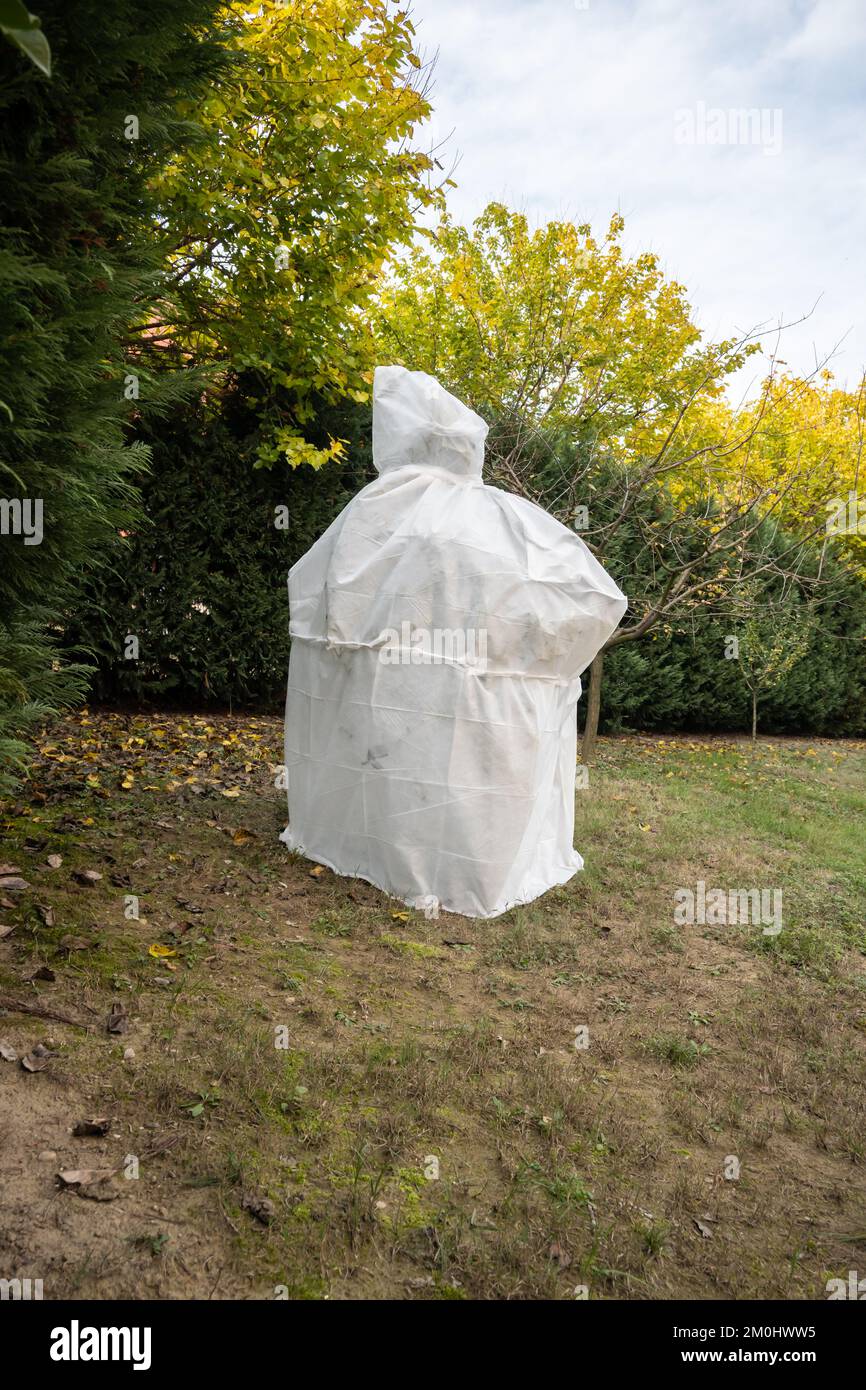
(579, 108)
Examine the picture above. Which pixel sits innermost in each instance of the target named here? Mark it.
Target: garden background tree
(772, 634)
(276, 228)
(700, 551)
(813, 432)
(78, 267)
(605, 403)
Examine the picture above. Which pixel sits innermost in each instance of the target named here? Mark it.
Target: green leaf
(14, 15)
(24, 30)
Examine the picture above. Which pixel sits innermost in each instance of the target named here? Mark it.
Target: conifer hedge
(79, 266)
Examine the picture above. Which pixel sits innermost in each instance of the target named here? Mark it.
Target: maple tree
(275, 228)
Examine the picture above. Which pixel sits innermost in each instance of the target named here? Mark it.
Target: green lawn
(331, 1095)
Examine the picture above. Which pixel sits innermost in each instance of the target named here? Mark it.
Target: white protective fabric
(439, 628)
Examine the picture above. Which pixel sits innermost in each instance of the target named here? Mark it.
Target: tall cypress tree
(81, 266)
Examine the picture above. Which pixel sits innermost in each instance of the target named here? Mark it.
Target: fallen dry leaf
(13, 884)
(96, 1128)
(74, 943)
(7, 1051)
(262, 1208)
(559, 1255)
(37, 1059)
(94, 1183)
(88, 877)
(72, 1176)
(118, 1019)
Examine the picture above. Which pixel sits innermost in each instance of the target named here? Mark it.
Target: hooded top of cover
(417, 423)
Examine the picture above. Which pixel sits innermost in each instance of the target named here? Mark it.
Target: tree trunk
(593, 709)
(754, 715)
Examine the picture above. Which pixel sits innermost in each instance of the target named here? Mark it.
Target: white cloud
(570, 112)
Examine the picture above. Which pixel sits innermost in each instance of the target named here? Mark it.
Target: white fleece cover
(440, 767)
